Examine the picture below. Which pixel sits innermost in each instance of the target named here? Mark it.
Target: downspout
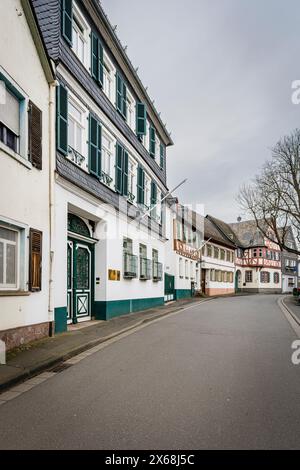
(52, 156)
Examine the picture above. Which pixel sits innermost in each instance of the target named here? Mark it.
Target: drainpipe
(52, 94)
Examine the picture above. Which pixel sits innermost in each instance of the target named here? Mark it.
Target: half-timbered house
(258, 260)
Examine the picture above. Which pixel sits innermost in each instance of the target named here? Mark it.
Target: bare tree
(273, 198)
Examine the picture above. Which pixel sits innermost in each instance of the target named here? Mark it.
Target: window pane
(79, 139)
(1, 263)
(11, 264)
(11, 140)
(75, 112)
(71, 133)
(10, 112)
(81, 49)
(7, 234)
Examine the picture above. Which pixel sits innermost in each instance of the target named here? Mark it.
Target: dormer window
(80, 37)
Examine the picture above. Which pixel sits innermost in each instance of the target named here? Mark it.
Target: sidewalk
(292, 304)
(44, 354)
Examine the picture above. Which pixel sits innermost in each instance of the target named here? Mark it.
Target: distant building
(217, 260)
(289, 264)
(182, 252)
(258, 260)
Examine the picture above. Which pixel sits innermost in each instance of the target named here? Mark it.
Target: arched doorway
(80, 265)
(238, 281)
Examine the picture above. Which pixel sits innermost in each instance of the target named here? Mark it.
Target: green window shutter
(153, 194)
(97, 59)
(66, 20)
(119, 168)
(141, 186)
(95, 62)
(152, 141)
(62, 119)
(95, 144)
(121, 98)
(162, 156)
(141, 119)
(125, 173)
(100, 54)
(124, 99)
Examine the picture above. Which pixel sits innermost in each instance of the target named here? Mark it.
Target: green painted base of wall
(183, 293)
(115, 308)
(60, 318)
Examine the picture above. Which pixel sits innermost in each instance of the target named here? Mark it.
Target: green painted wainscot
(60, 318)
(183, 294)
(115, 308)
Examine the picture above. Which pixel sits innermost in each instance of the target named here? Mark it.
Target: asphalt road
(216, 376)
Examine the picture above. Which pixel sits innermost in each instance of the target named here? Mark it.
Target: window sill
(15, 155)
(14, 293)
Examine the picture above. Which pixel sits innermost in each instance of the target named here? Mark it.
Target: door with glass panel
(79, 281)
(8, 259)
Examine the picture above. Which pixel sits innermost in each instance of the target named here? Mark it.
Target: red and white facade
(258, 269)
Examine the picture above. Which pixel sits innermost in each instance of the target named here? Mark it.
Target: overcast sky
(220, 72)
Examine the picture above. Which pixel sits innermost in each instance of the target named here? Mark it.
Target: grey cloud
(220, 72)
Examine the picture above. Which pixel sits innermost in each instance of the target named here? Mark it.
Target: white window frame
(157, 210)
(192, 276)
(108, 154)
(180, 263)
(131, 117)
(85, 36)
(147, 190)
(4, 286)
(186, 269)
(109, 76)
(157, 149)
(146, 137)
(22, 146)
(132, 176)
(77, 104)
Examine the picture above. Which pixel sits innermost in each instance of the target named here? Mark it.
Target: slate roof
(226, 230)
(248, 234)
(211, 231)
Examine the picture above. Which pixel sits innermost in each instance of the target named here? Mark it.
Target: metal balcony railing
(75, 156)
(145, 269)
(130, 266)
(157, 271)
(130, 197)
(105, 178)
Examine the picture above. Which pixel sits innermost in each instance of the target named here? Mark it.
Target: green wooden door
(169, 287)
(79, 280)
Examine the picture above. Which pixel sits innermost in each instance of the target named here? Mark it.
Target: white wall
(109, 231)
(256, 282)
(24, 190)
(209, 263)
(285, 283)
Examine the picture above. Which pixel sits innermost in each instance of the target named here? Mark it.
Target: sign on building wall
(185, 250)
(114, 275)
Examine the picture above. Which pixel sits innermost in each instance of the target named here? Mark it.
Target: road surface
(216, 376)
